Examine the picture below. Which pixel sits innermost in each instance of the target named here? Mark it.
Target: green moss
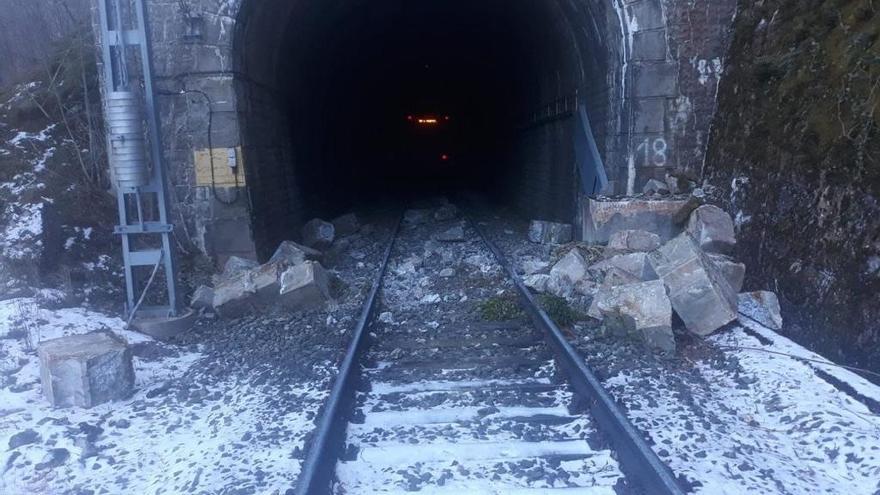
(499, 308)
(560, 311)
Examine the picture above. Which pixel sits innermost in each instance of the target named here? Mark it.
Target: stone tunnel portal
(346, 102)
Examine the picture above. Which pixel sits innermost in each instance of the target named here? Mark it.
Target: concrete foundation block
(543, 232)
(305, 286)
(347, 224)
(318, 234)
(699, 294)
(640, 310)
(712, 228)
(604, 216)
(761, 306)
(85, 370)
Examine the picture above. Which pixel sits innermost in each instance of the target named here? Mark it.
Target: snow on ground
(172, 436)
(767, 425)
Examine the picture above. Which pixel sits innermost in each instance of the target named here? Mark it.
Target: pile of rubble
(642, 276)
(293, 277)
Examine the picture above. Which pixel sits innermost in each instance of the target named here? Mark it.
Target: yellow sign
(227, 167)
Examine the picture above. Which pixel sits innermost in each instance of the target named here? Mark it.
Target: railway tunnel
(342, 104)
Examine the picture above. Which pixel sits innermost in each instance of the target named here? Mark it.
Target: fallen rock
(234, 267)
(712, 228)
(642, 310)
(604, 216)
(318, 234)
(85, 370)
(290, 253)
(249, 291)
(454, 234)
(446, 212)
(304, 286)
(567, 273)
(346, 224)
(699, 294)
(654, 186)
(203, 297)
(543, 232)
(537, 282)
(634, 263)
(632, 240)
(613, 277)
(761, 306)
(679, 183)
(532, 266)
(733, 272)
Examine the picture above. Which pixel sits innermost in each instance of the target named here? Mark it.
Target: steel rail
(636, 457)
(319, 465)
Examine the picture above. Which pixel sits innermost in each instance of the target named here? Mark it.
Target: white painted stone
(318, 234)
(761, 306)
(712, 228)
(85, 370)
(543, 232)
(304, 286)
(699, 293)
(641, 310)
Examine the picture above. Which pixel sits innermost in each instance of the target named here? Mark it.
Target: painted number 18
(655, 151)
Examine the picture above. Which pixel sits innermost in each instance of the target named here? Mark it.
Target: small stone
(446, 212)
(386, 317)
(712, 228)
(290, 253)
(203, 297)
(537, 282)
(761, 306)
(25, 437)
(544, 232)
(454, 234)
(447, 272)
(699, 293)
(632, 240)
(654, 186)
(347, 224)
(85, 370)
(304, 286)
(318, 233)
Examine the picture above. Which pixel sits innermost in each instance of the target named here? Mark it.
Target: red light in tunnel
(444, 157)
(409, 117)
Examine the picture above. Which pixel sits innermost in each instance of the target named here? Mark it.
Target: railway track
(431, 398)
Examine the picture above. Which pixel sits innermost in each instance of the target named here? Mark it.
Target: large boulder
(249, 291)
(731, 270)
(234, 267)
(640, 310)
(613, 277)
(567, 274)
(543, 232)
(712, 228)
(699, 293)
(85, 370)
(605, 216)
(634, 263)
(290, 253)
(761, 306)
(625, 241)
(318, 234)
(305, 286)
(347, 224)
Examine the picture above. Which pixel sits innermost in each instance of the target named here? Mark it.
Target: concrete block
(85, 370)
(700, 295)
(712, 228)
(318, 234)
(613, 277)
(290, 253)
(567, 273)
(605, 216)
(761, 306)
(733, 272)
(304, 286)
(346, 224)
(641, 310)
(543, 232)
(624, 241)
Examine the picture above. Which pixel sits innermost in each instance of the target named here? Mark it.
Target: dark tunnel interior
(388, 99)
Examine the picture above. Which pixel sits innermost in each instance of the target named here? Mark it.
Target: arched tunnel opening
(347, 103)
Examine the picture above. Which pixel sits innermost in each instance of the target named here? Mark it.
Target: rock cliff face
(794, 156)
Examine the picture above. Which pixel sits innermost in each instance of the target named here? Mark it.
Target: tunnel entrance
(343, 103)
